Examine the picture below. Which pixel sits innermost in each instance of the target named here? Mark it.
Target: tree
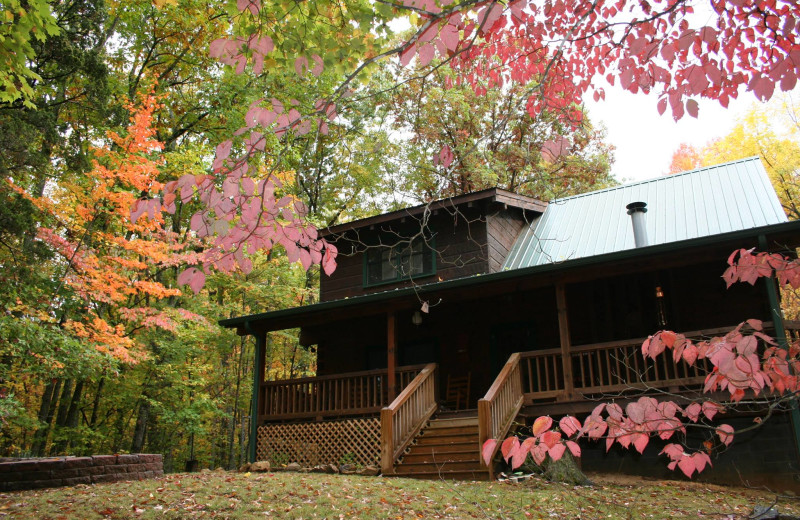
(744, 360)
(556, 50)
(685, 158)
(462, 142)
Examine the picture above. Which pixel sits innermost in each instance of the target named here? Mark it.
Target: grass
(303, 495)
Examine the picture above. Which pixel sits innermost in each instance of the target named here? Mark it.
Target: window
(401, 262)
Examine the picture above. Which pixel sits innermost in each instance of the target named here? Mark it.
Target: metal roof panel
(704, 202)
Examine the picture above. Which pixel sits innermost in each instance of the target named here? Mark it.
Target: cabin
(446, 324)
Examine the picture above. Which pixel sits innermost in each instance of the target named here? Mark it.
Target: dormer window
(401, 262)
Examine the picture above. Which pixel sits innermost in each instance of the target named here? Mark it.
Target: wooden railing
(336, 395)
(405, 416)
(611, 367)
(500, 405)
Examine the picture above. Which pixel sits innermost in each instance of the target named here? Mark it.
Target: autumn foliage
(743, 360)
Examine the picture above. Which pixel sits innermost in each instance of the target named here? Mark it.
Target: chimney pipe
(637, 210)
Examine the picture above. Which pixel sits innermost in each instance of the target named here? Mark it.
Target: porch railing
(353, 393)
(500, 405)
(610, 367)
(405, 416)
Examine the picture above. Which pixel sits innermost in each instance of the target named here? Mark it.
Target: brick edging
(19, 474)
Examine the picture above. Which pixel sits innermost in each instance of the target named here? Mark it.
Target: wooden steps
(446, 448)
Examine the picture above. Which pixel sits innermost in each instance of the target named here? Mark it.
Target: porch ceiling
(778, 235)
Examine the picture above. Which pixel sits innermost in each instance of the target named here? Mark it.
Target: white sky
(645, 140)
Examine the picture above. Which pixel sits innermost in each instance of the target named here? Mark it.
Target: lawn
(304, 495)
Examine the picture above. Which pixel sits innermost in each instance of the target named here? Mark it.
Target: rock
(764, 513)
(261, 465)
(369, 471)
(318, 469)
(245, 468)
(330, 468)
(205, 470)
(220, 470)
(293, 467)
(347, 469)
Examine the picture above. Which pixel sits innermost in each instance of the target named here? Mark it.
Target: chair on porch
(457, 393)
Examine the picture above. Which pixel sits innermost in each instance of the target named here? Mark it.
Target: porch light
(662, 313)
(416, 318)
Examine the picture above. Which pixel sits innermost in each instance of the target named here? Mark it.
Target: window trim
(429, 244)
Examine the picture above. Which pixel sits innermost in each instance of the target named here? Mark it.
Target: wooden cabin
(443, 324)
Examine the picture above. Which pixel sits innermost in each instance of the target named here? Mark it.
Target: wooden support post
(563, 333)
(391, 354)
(387, 442)
(780, 335)
(258, 380)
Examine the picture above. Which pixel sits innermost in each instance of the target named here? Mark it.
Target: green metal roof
(705, 202)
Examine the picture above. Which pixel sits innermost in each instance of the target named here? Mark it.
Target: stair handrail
(406, 415)
(500, 405)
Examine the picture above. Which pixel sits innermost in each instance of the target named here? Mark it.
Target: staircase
(446, 448)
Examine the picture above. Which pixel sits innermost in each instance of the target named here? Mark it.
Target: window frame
(428, 247)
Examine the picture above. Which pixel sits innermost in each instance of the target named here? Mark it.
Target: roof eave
(243, 322)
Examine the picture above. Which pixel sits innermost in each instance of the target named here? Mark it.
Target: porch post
(258, 378)
(391, 355)
(780, 335)
(563, 334)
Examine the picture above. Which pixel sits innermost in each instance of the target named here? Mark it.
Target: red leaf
(640, 441)
(687, 466)
(195, 278)
(509, 447)
(541, 425)
(574, 448)
(692, 108)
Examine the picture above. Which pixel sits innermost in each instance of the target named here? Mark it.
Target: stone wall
(18, 474)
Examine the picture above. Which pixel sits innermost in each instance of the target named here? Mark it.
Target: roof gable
(704, 202)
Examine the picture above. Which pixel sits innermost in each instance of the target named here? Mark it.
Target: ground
(301, 495)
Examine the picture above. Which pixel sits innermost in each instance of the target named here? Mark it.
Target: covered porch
(548, 341)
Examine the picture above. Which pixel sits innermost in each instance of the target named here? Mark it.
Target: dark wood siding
(459, 239)
(503, 228)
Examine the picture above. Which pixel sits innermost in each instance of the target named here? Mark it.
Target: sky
(645, 140)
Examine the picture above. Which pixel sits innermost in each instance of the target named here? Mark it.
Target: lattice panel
(352, 441)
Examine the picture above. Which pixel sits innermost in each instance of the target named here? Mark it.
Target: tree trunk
(141, 427)
(96, 403)
(45, 416)
(64, 403)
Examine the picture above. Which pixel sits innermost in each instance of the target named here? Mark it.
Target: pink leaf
(450, 37)
(195, 278)
(692, 412)
(687, 465)
(574, 448)
(319, 65)
(407, 54)
(426, 54)
(711, 409)
(569, 425)
(640, 441)
(725, 432)
(487, 450)
(557, 451)
(301, 65)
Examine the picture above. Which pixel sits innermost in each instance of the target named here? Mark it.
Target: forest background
(103, 349)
